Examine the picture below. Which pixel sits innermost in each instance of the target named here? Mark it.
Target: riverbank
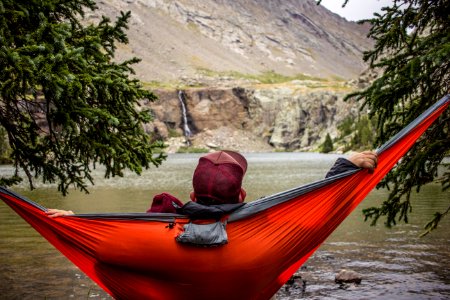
(217, 139)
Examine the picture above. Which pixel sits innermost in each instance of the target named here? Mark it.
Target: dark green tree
(65, 104)
(4, 147)
(327, 145)
(411, 52)
(363, 134)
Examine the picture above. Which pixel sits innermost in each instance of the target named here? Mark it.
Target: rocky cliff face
(251, 119)
(190, 42)
(180, 39)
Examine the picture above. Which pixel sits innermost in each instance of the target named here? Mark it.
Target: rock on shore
(348, 276)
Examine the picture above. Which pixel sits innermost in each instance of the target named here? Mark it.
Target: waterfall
(186, 129)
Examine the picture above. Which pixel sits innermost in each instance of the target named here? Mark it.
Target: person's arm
(53, 213)
(365, 160)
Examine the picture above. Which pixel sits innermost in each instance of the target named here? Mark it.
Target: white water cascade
(186, 129)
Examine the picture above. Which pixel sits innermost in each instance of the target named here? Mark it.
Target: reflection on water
(395, 263)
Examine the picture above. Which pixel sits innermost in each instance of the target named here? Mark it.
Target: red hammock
(135, 256)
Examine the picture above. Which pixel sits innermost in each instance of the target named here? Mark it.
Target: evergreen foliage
(364, 134)
(412, 50)
(361, 131)
(65, 104)
(327, 145)
(5, 150)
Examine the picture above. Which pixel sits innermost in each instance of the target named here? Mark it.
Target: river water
(394, 263)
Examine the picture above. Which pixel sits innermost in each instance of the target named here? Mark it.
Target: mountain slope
(186, 38)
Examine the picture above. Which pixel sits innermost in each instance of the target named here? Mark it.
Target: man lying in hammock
(217, 180)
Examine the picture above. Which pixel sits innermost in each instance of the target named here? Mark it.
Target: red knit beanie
(218, 177)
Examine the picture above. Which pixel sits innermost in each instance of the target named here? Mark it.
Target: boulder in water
(348, 276)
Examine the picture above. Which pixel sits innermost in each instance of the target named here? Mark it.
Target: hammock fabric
(136, 256)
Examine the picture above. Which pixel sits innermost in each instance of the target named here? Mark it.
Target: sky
(356, 9)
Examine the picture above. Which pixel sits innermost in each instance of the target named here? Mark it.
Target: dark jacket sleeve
(340, 166)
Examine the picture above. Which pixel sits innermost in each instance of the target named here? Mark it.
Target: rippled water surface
(395, 263)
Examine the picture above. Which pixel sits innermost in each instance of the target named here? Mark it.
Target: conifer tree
(65, 104)
(411, 53)
(327, 145)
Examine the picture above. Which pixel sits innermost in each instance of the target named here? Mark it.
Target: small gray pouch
(213, 234)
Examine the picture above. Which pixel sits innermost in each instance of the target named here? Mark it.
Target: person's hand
(365, 160)
(53, 213)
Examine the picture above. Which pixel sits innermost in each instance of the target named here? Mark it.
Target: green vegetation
(346, 127)
(327, 145)
(357, 134)
(263, 78)
(5, 150)
(186, 149)
(364, 134)
(167, 85)
(151, 85)
(283, 150)
(66, 106)
(193, 26)
(411, 52)
(173, 132)
(269, 77)
(272, 78)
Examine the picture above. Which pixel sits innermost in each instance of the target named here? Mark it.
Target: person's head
(218, 178)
